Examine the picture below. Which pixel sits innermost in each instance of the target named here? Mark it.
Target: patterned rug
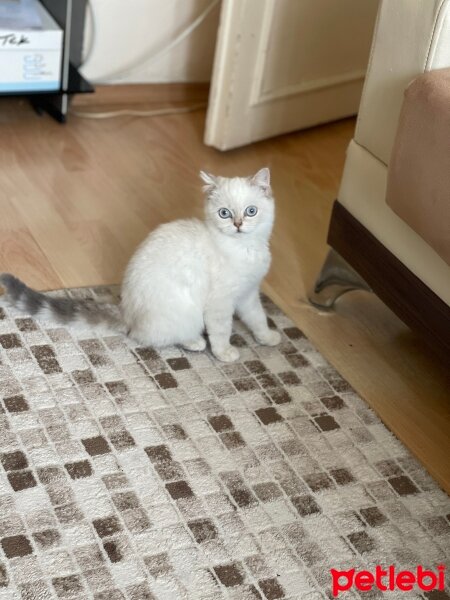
(133, 474)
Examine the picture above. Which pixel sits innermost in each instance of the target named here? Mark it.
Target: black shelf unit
(70, 16)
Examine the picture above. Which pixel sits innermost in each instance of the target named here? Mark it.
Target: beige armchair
(387, 232)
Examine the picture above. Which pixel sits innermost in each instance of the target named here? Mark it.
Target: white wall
(124, 31)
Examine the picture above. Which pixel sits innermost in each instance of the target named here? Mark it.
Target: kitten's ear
(211, 181)
(262, 179)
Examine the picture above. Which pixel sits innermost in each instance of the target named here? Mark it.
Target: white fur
(192, 275)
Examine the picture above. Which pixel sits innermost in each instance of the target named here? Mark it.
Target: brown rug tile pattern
(130, 473)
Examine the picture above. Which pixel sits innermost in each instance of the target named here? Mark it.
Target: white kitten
(188, 276)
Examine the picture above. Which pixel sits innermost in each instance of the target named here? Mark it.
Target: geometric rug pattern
(130, 473)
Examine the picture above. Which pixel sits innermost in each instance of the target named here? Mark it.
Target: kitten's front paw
(230, 354)
(271, 338)
(196, 346)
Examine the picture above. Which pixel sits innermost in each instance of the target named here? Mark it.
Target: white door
(282, 65)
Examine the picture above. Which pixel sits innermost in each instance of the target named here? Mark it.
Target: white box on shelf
(30, 57)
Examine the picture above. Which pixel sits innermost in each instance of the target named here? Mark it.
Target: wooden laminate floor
(75, 201)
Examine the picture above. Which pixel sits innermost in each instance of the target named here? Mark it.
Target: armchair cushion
(418, 185)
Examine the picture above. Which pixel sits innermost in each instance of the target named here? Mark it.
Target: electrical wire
(92, 33)
(147, 56)
(130, 112)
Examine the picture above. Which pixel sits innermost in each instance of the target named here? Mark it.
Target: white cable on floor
(131, 112)
(147, 56)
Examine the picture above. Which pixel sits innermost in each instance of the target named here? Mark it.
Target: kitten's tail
(63, 310)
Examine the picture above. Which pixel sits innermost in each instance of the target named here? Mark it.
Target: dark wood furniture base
(392, 282)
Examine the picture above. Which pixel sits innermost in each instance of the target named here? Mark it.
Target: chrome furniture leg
(335, 278)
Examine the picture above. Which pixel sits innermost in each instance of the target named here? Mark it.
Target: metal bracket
(335, 279)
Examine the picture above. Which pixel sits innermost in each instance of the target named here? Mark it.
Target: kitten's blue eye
(224, 213)
(251, 211)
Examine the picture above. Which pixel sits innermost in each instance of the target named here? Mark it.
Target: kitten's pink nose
(238, 223)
